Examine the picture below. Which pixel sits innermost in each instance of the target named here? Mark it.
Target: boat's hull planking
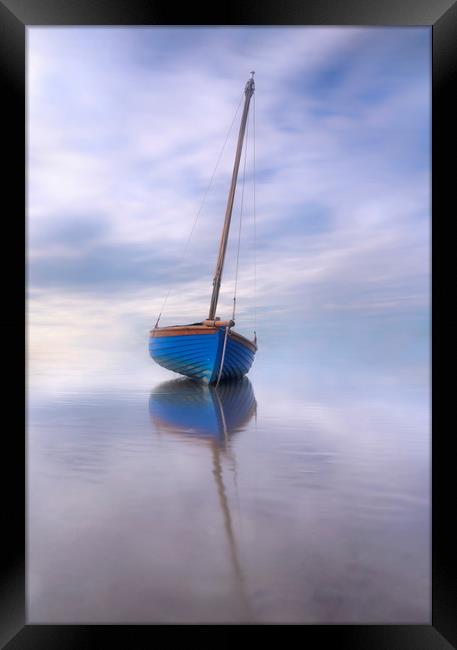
(197, 351)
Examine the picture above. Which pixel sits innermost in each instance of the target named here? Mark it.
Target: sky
(124, 128)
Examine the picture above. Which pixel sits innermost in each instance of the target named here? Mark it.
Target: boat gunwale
(197, 329)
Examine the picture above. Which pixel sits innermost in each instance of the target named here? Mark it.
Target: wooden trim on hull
(189, 330)
(181, 330)
(243, 340)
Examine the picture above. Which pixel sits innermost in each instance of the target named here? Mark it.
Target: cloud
(125, 127)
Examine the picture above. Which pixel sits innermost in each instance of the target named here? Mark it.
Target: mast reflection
(212, 414)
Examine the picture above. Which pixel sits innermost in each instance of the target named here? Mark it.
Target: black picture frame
(15, 16)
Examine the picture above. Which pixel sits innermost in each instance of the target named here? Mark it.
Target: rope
(223, 356)
(200, 210)
(241, 220)
(255, 232)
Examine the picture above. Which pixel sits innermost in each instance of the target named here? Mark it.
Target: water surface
(300, 495)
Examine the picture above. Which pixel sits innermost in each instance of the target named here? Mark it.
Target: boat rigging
(210, 350)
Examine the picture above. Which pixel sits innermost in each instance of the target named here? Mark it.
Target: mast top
(250, 86)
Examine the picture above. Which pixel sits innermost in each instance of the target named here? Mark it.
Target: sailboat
(210, 350)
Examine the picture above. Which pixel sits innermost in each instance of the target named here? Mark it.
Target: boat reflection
(204, 412)
(201, 410)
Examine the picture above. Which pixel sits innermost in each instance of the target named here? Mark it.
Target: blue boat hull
(200, 354)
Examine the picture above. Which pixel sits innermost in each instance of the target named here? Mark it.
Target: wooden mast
(248, 91)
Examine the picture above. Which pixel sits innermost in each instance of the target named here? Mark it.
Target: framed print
(227, 322)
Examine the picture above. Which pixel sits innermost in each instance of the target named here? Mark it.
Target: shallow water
(301, 495)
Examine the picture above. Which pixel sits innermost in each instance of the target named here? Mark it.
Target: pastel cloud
(124, 129)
